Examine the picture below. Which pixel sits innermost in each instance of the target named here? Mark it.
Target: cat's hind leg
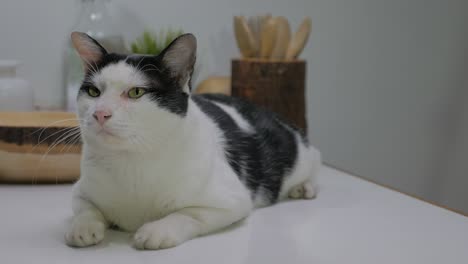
(301, 184)
(305, 190)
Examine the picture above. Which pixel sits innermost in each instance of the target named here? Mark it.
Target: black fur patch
(261, 159)
(163, 89)
(248, 111)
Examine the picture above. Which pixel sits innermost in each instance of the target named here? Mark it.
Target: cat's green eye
(93, 91)
(136, 92)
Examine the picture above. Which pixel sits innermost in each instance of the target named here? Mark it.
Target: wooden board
(39, 147)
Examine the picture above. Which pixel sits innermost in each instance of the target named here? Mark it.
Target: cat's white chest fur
(132, 189)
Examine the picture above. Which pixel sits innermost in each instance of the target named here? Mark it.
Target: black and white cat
(169, 165)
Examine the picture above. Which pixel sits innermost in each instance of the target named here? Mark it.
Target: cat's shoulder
(222, 98)
(243, 107)
(219, 105)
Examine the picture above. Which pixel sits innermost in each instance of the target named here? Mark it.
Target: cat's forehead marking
(142, 62)
(119, 75)
(137, 57)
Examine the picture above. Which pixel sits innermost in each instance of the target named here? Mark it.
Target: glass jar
(95, 20)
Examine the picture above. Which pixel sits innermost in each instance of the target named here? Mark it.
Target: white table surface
(351, 221)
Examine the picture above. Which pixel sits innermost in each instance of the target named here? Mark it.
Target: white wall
(384, 76)
(36, 32)
(384, 79)
(454, 187)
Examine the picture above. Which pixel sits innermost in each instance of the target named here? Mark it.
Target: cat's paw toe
(296, 192)
(85, 233)
(310, 191)
(304, 190)
(158, 235)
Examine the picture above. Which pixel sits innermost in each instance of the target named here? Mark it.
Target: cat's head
(133, 101)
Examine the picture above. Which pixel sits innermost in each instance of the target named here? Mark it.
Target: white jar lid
(8, 64)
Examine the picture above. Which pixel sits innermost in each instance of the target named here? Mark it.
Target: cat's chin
(104, 138)
(109, 138)
(107, 133)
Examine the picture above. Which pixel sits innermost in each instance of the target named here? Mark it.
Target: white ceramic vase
(15, 94)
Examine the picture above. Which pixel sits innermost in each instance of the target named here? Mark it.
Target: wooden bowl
(39, 147)
(215, 84)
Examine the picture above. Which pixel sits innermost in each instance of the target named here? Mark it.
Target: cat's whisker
(75, 141)
(93, 66)
(53, 123)
(138, 65)
(60, 130)
(48, 126)
(61, 139)
(71, 141)
(63, 130)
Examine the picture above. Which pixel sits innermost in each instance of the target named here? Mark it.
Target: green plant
(153, 43)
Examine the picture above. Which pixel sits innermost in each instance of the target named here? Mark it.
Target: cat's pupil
(136, 92)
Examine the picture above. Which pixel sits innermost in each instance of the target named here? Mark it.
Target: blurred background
(387, 95)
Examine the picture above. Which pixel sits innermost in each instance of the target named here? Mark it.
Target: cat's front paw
(162, 234)
(85, 232)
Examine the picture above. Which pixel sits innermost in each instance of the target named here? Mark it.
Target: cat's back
(260, 147)
(245, 115)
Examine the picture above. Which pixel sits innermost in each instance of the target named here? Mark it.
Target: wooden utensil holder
(276, 85)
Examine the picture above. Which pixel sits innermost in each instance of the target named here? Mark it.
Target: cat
(169, 165)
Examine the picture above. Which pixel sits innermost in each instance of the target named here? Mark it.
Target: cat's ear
(90, 51)
(179, 57)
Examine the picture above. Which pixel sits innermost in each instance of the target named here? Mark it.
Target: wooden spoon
(244, 37)
(268, 37)
(254, 23)
(262, 21)
(283, 37)
(299, 40)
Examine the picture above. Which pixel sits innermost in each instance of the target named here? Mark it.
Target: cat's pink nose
(102, 116)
